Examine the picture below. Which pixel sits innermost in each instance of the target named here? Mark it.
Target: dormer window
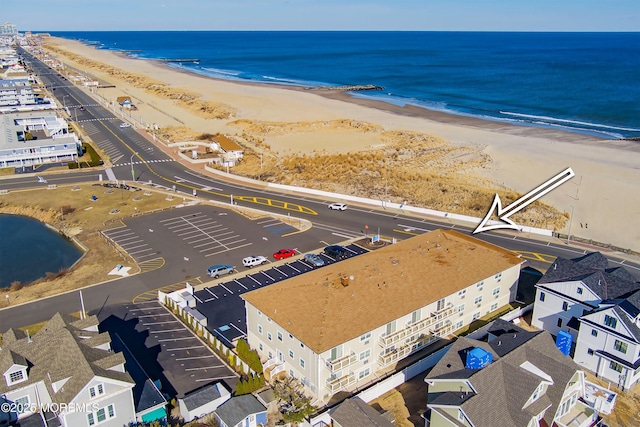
(537, 393)
(16, 377)
(96, 390)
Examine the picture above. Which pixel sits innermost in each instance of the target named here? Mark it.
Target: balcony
(269, 363)
(402, 352)
(338, 364)
(417, 327)
(337, 384)
(580, 415)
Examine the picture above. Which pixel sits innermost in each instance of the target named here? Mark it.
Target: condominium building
(340, 326)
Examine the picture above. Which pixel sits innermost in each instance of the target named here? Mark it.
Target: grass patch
(7, 171)
(71, 210)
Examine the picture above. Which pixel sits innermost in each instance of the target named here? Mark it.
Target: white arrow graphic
(521, 203)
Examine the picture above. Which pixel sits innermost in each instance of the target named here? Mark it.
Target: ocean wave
(546, 119)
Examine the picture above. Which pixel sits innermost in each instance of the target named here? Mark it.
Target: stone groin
(349, 88)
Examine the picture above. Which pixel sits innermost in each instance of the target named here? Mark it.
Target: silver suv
(218, 270)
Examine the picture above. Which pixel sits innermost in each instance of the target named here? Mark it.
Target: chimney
(344, 280)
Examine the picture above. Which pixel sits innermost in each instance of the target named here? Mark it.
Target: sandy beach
(603, 195)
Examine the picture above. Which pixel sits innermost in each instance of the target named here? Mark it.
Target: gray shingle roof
(238, 408)
(354, 412)
(197, 398)
(503, 387)
(592, 270)
(57, 352)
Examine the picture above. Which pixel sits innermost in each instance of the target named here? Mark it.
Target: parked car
(125, 125)
(314, 260)
(338, 206)
(218, 270)
(336, 252)
(284, 253)
(253, 260)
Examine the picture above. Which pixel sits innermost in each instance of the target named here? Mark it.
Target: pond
(29, 250)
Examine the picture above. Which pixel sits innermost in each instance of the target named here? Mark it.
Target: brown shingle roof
(387, 283)
(227, 144)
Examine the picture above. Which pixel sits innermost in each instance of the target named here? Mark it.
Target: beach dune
(603, 196)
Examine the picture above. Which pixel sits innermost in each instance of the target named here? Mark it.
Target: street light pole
(133, 174)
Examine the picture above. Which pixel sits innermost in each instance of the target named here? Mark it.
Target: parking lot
(186, 362)
(224, 308)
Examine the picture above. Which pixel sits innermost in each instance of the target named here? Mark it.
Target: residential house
(608, 342)
(125, 102)
(35, 138)
(232, 152)
(242, 411)
(203, 401)
(599, 307)
(66, 373)
(355, 412)
(341, 326)
(514, 379)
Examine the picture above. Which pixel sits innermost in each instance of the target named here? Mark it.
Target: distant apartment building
(600, 307)
(34, 138)
(514, 379)
(8, 29)
(340, 326)
(64, 375)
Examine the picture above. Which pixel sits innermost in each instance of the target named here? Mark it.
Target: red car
(284, 253)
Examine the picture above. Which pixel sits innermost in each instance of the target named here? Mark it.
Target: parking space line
(290, 265)
(199, 300)
(152, 253)
(252, 278)
(185, 348)
(268, 275)
(239, 330)
(161, 323)
(179, 339)
(229, 290)
(196, 357)
(178, 217)
(145, 302)
(196, 241)
(135, 247)
(281, 272)
(143, 250)
(209, 290)
(154, 315)
(227, 250)
(236, 280)
(216, 378)
(167, 331)
(204, 367)
(128, 238)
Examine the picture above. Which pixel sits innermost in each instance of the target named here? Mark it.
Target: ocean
(580, 82)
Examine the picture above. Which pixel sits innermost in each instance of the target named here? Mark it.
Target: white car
(253, 260)
(125, 125)
(338, 206)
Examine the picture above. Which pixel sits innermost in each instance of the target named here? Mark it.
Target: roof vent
(478, 358)
(344, 280)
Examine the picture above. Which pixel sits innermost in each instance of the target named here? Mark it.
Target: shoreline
(520, 157)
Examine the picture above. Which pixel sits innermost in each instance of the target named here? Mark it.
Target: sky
(426, 15)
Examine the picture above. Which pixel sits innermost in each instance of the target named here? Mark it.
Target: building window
(440, 305)
(302, 363)
(579, 290)
(101, 415)
(594, 333)
(365, 354)
(15, 377)
(621, 346)
(460, 415)
(478, 299)
(259, 313)
(461, 293)
(415, 316)
(541, 296)
(565, 306)
(269, 319)
(290, 336)
(590, 351)
(537, 393)
(495, 292)
(301, 345)
(365, 337)
(494, 306)
(615, 366)
(559, 323)
(364, 373)
(476, 315)
(459, 324)
(480, 284)
(97, 390)
(260, 346)
(391, 328)
(22, 404)
(291, 354)
(279, 336)
(336, 353)
(609, 321)
(269, 336)
(260, 329)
